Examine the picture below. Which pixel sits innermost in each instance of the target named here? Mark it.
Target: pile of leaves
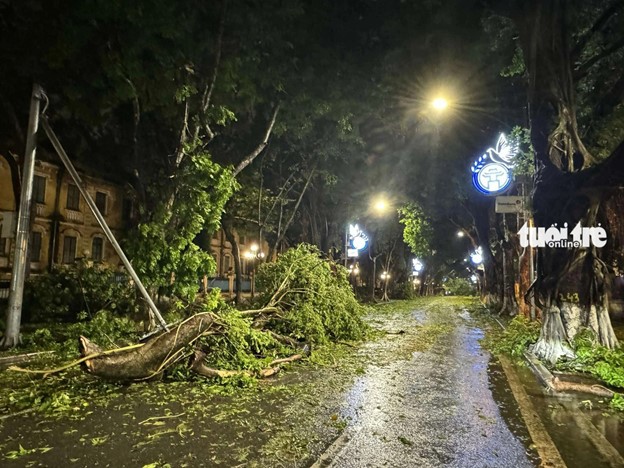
(514, 340)
(591, 358)
(314, 296)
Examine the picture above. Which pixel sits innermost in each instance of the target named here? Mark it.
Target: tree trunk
(565, 190)
(552, 343)
(238, 271)
(149, 360)
(509, 305)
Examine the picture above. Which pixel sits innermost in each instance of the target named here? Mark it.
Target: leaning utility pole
(14, 312)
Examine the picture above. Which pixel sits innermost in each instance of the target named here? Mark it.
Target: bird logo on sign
(491, 173)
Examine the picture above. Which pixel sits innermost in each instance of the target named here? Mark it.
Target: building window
(73, 197)
(97, 249)
(242, 240)
(39, 186)
(127, 208)
(35, 246)
(69, 249)
(100, 201)
(3, 246)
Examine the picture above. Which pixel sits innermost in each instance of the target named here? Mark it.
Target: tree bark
(238, 271)
(263, 144)
(149, 360)
(567, 189)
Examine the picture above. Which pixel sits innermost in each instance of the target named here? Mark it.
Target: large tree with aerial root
(571, 53)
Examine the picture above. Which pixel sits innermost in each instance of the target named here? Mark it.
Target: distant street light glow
(460, 234)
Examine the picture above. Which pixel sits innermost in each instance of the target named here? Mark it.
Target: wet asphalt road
(424, 394)
(436, 407)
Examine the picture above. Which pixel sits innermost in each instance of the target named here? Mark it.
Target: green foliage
(459, 287)
(605, 364)
(417, 232)
(524, 163)
(514, 340)
(240, 345)
(404, 291)
(70, 292)
(163, 247)
(316, 295)
(617, 402)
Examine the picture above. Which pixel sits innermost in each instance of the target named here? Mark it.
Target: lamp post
(252, 255)
(385, 276)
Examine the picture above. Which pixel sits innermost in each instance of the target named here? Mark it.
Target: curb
(543, 374)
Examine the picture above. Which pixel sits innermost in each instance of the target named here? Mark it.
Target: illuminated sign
(357, 239)
(477, 256)
(352, 253)
(491, 173)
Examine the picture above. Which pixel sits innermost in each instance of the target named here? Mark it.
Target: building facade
(64, 229)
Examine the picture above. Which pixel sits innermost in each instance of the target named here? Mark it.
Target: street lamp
(380, 205)
(385, 276)
(460, 234)
(254, 253)
(439, 103)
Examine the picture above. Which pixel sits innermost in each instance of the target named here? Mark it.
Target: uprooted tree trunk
(150, 359)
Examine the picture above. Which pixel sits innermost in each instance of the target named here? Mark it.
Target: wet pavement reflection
(435, 408)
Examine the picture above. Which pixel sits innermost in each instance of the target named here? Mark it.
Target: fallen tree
(306, 301)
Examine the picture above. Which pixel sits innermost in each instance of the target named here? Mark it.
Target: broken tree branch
(263, 144)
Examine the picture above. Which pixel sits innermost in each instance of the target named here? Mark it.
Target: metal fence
(223, 284)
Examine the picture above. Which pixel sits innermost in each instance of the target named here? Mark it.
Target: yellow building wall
(78, 223)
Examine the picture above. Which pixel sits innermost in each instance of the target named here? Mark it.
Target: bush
(405, 291)
(69, 293)
(459, 287)
(316, 295)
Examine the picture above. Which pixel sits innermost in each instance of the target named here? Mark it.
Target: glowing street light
(385, 276)
(254, 253)
(439, 103)
(417, 266)
(381, 205)
(460, 234)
